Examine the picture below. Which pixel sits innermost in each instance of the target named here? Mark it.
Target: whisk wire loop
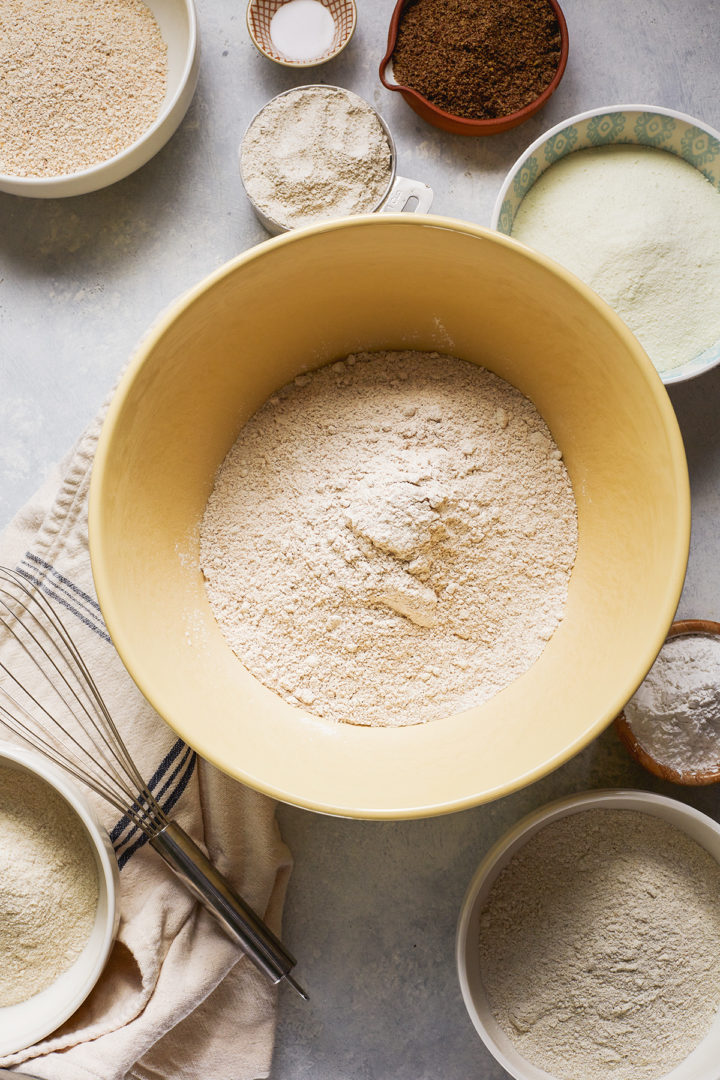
(71, 722)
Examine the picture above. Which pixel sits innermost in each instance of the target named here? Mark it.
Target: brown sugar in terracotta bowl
(696, 778)
(458, 125)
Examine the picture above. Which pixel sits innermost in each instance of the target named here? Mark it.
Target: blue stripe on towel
(166, 806)
(61, 577)
(165, 764)
(44, 586)
(58, 584)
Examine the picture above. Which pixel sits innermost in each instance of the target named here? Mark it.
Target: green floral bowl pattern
(644, 125)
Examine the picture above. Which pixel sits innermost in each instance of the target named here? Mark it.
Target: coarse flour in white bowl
(58, 898)
(587, 943)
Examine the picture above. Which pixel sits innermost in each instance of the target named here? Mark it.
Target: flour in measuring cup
(315, 153)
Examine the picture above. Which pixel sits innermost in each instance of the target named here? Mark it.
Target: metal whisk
(65, 718)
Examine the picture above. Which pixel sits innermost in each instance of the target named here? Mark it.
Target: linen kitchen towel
(177, 1000)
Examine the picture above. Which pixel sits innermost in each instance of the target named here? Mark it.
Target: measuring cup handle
(404, 189)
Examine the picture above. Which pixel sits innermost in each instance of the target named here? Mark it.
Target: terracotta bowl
(690, 779)
(458, 125)
(260, 13)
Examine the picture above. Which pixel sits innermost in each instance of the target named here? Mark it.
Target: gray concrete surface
(372, 907)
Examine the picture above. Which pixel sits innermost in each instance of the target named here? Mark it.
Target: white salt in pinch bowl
(177, 20)
(643, 125)
(259, 16)
(29, 1021)
(702, 1063)
(689, 628)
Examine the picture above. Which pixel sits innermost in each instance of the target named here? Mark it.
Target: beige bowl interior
(297, 302)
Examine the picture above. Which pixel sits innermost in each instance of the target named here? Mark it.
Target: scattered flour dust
(390, 539)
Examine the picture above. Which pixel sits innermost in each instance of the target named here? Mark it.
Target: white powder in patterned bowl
(642, 228)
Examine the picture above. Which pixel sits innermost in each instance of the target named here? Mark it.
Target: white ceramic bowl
(643, 125)
(29, 1021)
(702, 1063)
(178, 24)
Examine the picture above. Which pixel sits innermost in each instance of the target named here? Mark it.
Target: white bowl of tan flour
(58, 899)
(105, 85)
(588, 944)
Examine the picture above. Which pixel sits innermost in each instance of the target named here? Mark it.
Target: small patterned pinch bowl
(641, 125)
(684, 627)
(459, 125)
(259, 16)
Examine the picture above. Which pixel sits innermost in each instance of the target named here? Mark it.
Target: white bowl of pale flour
(587, 943)
(58, 899)
(627, 197)
(75, 117)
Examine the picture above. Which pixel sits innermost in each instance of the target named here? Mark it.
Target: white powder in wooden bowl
(80, 80)
(390, 539)
(675, 713)
(48, 885)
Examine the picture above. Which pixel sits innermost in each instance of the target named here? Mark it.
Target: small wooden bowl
(684, 627)
(260, 13)
(458, 125)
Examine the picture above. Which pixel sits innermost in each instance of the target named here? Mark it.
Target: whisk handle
(215, 893)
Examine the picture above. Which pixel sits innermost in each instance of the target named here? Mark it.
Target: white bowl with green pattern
(644, 125)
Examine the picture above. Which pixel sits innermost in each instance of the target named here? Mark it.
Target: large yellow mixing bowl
(389, 282)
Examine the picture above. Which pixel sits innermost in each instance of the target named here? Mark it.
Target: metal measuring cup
(397, 195)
